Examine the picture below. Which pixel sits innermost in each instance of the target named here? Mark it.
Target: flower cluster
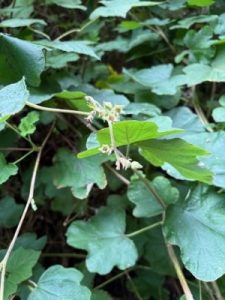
(106, 111)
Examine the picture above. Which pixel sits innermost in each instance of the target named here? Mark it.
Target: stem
(57, 110)
(150, 188)
(180, 273)
(67, 33)
(217, 291)
(113, 278)
(29, 200)
(15, 149)
(18, 132)
(24, 156)
(117, 174)
(135, 290)
(132, 234)
(200, 289)
(76, 255)
(113, 143)
(74, 30)
(40, 33)
(199, 110)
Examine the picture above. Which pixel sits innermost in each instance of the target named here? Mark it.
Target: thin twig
(57, 110)
(199, 110)
(4, 262)
(217, 291)
(147, 228)
(179, 272)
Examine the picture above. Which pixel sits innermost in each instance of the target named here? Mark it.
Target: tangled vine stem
(4, 262)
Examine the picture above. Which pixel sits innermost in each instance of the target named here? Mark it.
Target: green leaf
(110, 8)
(104, 239)
(13, 23)
(214, 143)
(21, 58)
(127, 133)
(159, 79)
(10, 212)
(27, 124)
(19, 268)
(147, 109)
(146, 204)
(188, 22)
(58, 282)
(13, 98)
(71, 4)
(219, 114)
(180, 155)
(79, 47)
(196, 225)
(29, 240)
(214, 72)
(6, 170)
(100, 295)
(200, 3)
(79, 175)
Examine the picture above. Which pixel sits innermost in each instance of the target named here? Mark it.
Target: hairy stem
(57, 110)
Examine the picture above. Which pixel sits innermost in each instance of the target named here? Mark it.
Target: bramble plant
(112, 138)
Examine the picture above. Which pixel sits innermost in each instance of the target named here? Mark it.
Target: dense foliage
(112, 138)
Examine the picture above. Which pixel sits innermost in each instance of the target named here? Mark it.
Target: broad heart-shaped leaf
(13, 98)
(27, 124)
(21, 58)
(104, 239)
(179, 154)
(110, 8)
(127, 133)
(19, 268)
(159, 79)
(79, 47)
(58, 282)
(10, 212)
(144, 199)
(6, 170)
(79, 175)
(196, 225)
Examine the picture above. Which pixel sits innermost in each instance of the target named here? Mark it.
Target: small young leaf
(27, 124)
(10, 212)
(6, 170)
(58, 282)
(145, 201)
(104, 239)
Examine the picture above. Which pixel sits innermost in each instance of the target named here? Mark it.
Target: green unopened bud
(136, 165)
